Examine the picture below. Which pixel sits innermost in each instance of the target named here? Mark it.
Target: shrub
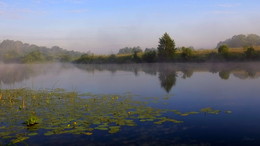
(250, 53)
(149, 56)
(186, 53)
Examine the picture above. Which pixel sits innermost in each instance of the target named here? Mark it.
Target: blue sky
(104, 26)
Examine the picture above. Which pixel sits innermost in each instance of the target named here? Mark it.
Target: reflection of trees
(246, 74)
(12, 73)
(251, 73)
(167, 79)
(224, 74)
(187, 73)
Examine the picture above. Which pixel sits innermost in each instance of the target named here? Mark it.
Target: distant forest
(19, 52)
(241, 40)
(238, 48)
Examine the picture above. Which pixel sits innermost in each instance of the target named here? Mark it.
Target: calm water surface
(232, 87)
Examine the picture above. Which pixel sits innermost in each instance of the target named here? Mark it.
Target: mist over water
(97, 78)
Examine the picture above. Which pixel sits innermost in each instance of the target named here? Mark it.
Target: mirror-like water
(172, 91)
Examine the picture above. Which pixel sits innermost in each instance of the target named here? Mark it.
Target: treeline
(182, 54)
(241, 41)
(18, 52)
(237, 48)
(167, 52)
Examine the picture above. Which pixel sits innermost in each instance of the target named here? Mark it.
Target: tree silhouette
(166, 47)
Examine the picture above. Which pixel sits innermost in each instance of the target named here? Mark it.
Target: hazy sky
(107, 25)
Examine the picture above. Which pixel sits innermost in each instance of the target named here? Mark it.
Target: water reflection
(13, 73)
(167, 77)
(240, 70)
(224, 74)
(231, 87)
(167, 74)
(187, 73)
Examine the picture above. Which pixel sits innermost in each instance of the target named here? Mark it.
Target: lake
(131, 104)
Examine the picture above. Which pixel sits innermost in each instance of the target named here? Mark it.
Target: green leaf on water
(32, 134)
(101, 128)
(61, 112)
(19, 139)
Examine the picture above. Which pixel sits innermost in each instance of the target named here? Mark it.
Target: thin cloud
(37, 1)
(229, 5)
(78, 11)
(3, 4)
(20, 13)
(75, 1)
(223, 12)
(58, 1)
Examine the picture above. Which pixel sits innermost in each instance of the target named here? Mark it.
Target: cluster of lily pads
(23, 112)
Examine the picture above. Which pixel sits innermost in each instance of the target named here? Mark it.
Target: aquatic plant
(32, 121)
(60, 112)
(209, 110)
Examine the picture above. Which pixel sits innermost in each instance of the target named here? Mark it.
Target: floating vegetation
(24, 112)
(209, 110)
(164, 119)
(19, 139)
(32, 121)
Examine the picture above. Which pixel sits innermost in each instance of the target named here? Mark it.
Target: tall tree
(166, 47)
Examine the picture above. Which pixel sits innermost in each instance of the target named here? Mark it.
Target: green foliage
(112, 58)
(10, 56)
(129, 50)
(35, 56)
(65, 112)
(250, 53)
(85, 59)
(223, 50)
(32, 120)
(136, 58)
(149, 56)
(18, 52)
(186, 53)
(210, 110)
(150, 50)
(65, 58)
(166, 48)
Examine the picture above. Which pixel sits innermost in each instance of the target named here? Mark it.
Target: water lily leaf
(101, 128)
(88, 133)
(32, 134)
(19, 139)
(60, 112)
